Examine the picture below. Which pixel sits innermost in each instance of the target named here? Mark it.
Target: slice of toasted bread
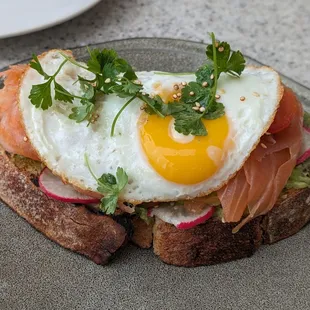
(213, 242)
(73, 227)
(98, 237)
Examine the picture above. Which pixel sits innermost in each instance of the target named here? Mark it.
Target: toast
(213, 242)
(73, 227)
(98, 237)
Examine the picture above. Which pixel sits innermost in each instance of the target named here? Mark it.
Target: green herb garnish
(198, 99)
(114, 75)
(110, 186)
(40, 94)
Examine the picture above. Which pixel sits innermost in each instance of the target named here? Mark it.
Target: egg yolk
(187, 159)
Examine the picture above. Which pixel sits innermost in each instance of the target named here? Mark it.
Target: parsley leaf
(62, 94)
(193, 92)
(110, 186)
(214, 110)
(203, 74)
(227, 61)
(40, 95)
(35, 64)
(83, 112)
(188, 122)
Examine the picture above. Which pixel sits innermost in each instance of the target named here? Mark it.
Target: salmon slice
(12, 133)
(257, 186)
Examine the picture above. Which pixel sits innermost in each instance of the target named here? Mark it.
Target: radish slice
(305, 147)
(181, 216)
(53, 187)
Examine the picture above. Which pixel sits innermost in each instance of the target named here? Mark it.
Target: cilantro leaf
(236, 64)
(203, 74)
(123, 66)
(62, 94)
(126, 89)
(40, 95)
(110, 186)
(188, 122)
(155, 105)
(193, 92)
(227, 61)
(35, 64)
(99, 58)
(83, 112)
(214, 111)
(122, 178)
(109, 204)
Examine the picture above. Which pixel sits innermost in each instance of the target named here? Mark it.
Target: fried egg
(162, 164)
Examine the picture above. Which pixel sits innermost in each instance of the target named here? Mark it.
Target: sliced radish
(181, 216)
(53, 187)
(305, 147)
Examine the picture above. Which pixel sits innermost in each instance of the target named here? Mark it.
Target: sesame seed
(221, 49)
(195, 108)
(242, 98)
(256, 94)
(191, 93)
(263, 145)
(217, 96)
(202, 109)
(204, 84)
(212, 76)
(197, 104)
(267, 133)
(108, 80)
(143, 93)
(179, 95)
(175, 96)
(184, 83)
(176, 86)
(25, 139)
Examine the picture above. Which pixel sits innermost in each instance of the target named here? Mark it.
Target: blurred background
(273, 32)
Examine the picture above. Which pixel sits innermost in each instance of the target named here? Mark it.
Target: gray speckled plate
(36, 273)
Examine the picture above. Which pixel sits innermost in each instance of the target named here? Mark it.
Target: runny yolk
(183, 161)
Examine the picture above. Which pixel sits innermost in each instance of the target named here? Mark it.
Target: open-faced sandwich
(205, 166)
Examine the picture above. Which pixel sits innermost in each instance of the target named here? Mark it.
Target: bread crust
(213, 242)
(73, 227)
(99, 237)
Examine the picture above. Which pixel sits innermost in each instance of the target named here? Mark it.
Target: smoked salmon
(257, 186)
(12, 133)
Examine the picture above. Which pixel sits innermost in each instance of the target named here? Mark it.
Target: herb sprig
(114, 75)
(110, 186)
(40, 94)
(198, 99)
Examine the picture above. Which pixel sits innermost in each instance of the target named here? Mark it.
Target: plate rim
(200, 44)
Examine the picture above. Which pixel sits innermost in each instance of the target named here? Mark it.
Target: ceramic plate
(24, 16)
(36, 273)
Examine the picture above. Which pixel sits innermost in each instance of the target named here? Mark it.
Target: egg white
(61, 143)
